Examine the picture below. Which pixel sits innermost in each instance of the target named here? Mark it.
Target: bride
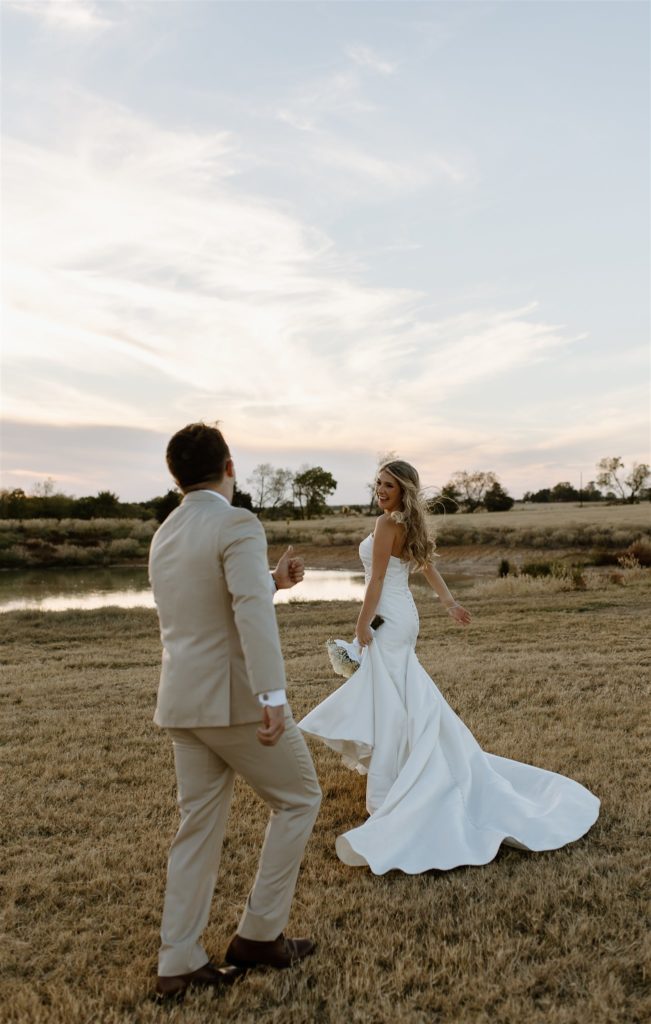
(435, 798)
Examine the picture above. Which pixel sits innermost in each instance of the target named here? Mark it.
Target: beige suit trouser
(207, 761)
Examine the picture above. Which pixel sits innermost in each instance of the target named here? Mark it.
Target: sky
(340, 229)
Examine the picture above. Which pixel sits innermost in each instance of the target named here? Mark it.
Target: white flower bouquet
(345, 658)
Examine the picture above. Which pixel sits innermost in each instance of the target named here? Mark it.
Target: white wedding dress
(435, 798)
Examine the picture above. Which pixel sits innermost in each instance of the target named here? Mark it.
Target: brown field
(476, 543)
(544, 675)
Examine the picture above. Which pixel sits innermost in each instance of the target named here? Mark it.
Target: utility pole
(581, 490)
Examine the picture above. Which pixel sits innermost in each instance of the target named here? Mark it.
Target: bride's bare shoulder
(385, 526)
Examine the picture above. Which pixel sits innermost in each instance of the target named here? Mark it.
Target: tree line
(274, 493)
(613, 483)
(282, 493)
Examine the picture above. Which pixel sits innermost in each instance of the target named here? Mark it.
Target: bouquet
(344, 658)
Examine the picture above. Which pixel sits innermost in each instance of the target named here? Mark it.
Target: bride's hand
(364, 636)
(460, 614)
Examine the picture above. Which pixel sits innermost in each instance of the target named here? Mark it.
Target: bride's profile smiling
(387, 491)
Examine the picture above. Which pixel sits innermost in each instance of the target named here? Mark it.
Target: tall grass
(607, 532)
(26, 543)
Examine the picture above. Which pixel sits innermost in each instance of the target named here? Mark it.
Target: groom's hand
(289, 571)
(273, 725)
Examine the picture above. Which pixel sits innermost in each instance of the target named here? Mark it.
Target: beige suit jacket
(210, 577)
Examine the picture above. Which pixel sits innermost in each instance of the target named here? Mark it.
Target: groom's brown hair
(197, 454)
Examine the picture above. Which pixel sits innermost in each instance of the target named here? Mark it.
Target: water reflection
(325, 585)
(70, 589)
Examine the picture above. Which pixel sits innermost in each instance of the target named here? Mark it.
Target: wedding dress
(435, 798)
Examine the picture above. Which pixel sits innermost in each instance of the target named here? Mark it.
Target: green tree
(311, 486)
(104, 505)
(164, 504)
(447, 502)
(242, 499)
(591, 492)
(544, 495)
(14, 503)
(564, 491)
(497, 499)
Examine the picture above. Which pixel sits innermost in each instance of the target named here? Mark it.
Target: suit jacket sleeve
(246, 570)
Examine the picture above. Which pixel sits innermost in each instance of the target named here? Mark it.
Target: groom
(222, 699)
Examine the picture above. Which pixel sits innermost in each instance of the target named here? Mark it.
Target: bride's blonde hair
(419, 545)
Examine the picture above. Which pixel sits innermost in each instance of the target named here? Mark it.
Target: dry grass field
(544, 675)
(475, 543)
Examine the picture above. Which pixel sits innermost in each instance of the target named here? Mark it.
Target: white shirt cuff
(273, 698)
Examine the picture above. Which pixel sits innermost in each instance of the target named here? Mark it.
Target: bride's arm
(385, 530)
(438, 585)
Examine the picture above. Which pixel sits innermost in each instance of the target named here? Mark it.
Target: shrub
(14, 557)
(125, 547)
(72, 554)
(605, 557)
(536, 569)
(577, 579)
(144, 530)
(641, 550)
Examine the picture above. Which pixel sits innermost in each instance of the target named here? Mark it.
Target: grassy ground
(548, 676)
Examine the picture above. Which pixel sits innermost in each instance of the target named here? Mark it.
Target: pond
(52, 590)
(64, 589)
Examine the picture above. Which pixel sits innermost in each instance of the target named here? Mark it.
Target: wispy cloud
(365, 57)
(335, 115)
(144, 256)
(213, 238)
(146, 267)
(363, 167)
(77, 16)
(338, 95)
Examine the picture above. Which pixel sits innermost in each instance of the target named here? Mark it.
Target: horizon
(337, 229)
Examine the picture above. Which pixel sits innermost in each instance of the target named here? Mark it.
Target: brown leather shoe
(280, 953)
(209, 976)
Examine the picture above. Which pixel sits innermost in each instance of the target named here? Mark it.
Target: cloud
(334, 114)
(147, 286)
(136, 257)
(77, 16)
(390, 174)
(365, 57)
(338, 95)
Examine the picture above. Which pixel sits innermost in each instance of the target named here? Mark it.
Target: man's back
(209, 574)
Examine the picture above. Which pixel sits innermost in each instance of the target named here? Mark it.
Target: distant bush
(601, 558)
(144, 530)
(51, 542)
(125, 547)
(582, 535)
(536, 569)
(641, 550)
(14, 557)
(73, 554)
(573, 578)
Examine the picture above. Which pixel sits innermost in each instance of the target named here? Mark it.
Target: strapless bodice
(397, 574)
